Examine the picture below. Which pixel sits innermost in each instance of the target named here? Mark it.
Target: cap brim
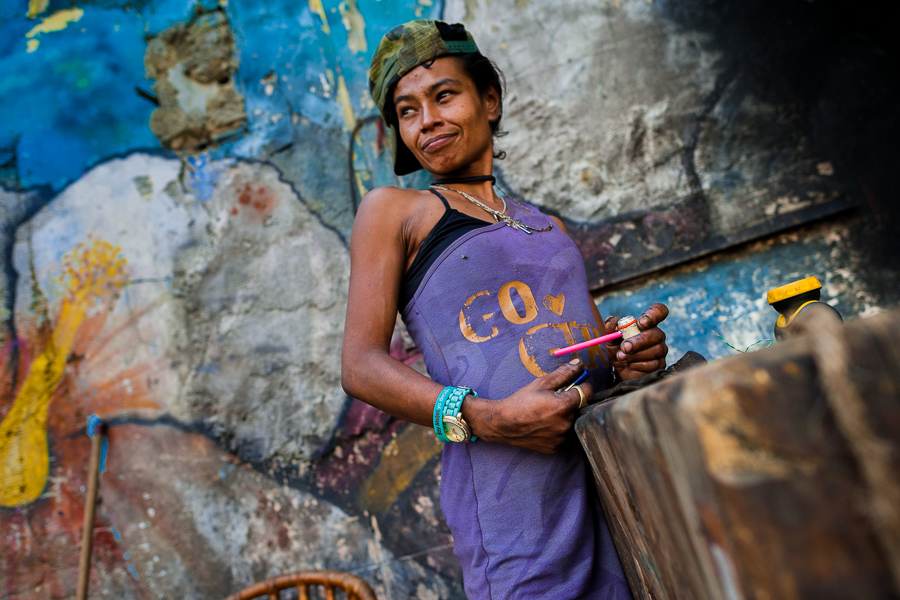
(404, 161)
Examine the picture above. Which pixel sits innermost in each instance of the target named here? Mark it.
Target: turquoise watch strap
(437, 417)
(453, 404)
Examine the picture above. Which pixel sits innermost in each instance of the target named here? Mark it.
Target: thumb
(611, 323)
(563, 375)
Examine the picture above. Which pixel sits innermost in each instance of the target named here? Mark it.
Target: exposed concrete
(236, 305)
(194, 64)
(654, 135)
(265, 296)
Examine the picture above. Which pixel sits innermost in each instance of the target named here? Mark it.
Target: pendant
(520, 226)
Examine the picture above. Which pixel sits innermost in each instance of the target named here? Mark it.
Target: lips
(437, 142)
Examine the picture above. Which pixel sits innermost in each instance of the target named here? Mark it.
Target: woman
(487, 288)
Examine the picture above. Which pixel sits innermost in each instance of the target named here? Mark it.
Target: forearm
(377, 378)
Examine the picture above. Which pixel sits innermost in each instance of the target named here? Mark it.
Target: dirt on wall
(193, 64)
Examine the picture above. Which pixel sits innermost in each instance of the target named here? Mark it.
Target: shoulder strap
(444, 200)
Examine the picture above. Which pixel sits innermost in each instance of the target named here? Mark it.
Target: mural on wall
(93, 274)
(194, 300)
(178, 181)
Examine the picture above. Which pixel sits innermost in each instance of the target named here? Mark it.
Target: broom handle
(90, 504)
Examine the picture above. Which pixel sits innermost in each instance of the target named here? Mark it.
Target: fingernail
(627, 346)
(645, 321)
(575, 361)
(621, 355)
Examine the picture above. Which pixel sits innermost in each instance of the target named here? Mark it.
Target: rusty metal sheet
(738, 480)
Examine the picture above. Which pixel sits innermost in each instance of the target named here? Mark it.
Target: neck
(471, 179)
(480, 186)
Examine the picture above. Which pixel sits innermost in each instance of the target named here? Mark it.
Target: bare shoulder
(559, 223)
(391, 209)
(389, 213)
(390, 200)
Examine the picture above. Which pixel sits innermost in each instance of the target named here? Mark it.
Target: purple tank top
(487, 315)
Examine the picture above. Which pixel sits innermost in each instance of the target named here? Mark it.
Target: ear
(492, 104)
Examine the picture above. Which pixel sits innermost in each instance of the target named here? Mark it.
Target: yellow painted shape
(315, 7)
(355, 26)
(401, 460)
(94, 272)
(36, 7)
(56, 22)
(346, 106)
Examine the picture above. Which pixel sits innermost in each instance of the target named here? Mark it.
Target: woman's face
(444, 120)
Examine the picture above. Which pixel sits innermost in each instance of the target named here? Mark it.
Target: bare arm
(535, 417)
(377, 261)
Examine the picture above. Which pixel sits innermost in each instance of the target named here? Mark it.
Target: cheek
(407, 133)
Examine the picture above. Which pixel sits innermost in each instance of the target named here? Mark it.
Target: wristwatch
(449, 423)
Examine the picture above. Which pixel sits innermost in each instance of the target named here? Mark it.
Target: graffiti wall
(178, 181)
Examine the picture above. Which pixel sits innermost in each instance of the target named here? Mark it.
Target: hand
(536, 417)
(644, 353)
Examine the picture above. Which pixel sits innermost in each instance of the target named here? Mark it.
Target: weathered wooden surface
(737, 481)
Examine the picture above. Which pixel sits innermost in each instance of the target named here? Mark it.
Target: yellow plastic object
(795, 288)
(781, 322)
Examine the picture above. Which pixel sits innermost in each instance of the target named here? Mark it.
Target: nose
(430, 116)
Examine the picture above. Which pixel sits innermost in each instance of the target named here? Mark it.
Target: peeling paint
(346, 106)
(355, 26)
(315, 7)
(55, 22)
(396, 469)
(36, 7)
(194, 65)
(94, 273)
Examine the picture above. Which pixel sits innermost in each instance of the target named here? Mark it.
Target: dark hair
(483, 73)
(486, 75)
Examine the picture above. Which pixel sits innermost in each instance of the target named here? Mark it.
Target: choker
(473, 179)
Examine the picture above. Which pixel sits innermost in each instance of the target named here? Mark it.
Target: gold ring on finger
(582, 402)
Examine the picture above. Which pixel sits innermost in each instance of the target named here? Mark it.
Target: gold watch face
(456, 429)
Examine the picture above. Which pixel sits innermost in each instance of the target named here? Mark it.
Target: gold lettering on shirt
(466, 328)
(594, 352)
(526, 352)
(509, 309)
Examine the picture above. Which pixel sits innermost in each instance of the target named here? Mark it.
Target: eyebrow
(431, 88)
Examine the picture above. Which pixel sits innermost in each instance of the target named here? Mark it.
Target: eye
(443, 94)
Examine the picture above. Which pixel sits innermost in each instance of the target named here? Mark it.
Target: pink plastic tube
(603, 338)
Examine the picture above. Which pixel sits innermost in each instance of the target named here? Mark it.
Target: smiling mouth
(437, 143)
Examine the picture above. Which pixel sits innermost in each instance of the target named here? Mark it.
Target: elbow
(346, 382)
(349, 376)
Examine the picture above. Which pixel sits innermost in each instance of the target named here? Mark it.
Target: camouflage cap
(401, 50)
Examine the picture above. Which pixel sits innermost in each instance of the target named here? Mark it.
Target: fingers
(576, 400)
(645, 352)
(632, 347)
(653, 316)
(611, 324)
(654, 354)
(562, 376)
(640, 368)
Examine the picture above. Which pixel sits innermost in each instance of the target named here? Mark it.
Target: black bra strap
(444, 200)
